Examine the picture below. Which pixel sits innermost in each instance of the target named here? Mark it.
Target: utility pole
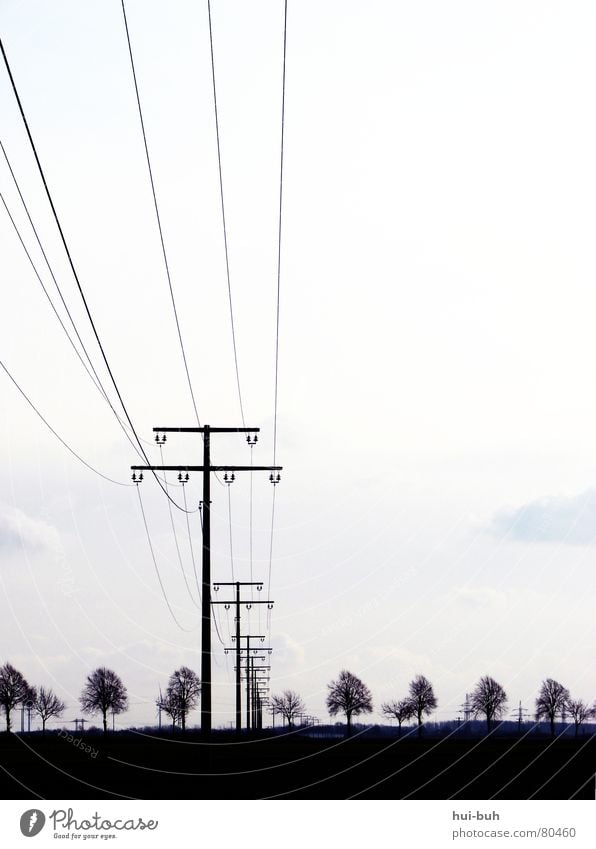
(521, 714)
(237, 638)
(207, 469)
(248, 638)
(467, 708)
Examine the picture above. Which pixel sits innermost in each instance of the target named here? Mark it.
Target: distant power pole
(255, 650)
(520, 713)
(207, 469)
(467, 708)
(238, 637)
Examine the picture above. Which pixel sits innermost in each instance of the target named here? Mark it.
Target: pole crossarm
(234, 583)
(243, 602)
(206, 468)
(207, 428)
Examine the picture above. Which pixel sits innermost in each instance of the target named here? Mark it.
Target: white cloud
(481, 597)
(18, 530)
(570, 520)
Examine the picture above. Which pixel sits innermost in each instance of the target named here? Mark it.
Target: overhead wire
(55, 433)
(190, 545)
(158, 217)
(230, 533)
(182, 569)
(223, 213)
(157, 572)
(277, 307)
(90, 369)
(74, 271)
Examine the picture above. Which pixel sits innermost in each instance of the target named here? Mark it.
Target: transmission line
(89, 369)
(279, 233)
(158, 217)
(223, 214)
(157, 572)
(57, 435)
(182, 569)
(73, 269)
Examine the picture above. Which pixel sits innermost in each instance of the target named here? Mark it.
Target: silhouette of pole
(238, 675)
(206, 590)
(238, 636)
(206, 469)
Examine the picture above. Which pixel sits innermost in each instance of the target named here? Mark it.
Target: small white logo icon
(32, 822)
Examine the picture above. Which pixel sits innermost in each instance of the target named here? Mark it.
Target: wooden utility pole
(207, 469)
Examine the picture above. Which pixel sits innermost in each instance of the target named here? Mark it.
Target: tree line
(349, 695)
(104, 693)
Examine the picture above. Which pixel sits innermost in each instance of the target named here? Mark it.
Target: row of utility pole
(254, 692)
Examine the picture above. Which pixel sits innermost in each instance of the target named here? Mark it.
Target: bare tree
(580, 712)
(488, 698)
(552, 699)
(184, 691)
(104, 692)
(401, 710)
(422, 698)
(288, 704)
(170, 705)
(46, 705)
(348, 695)
(14, 690)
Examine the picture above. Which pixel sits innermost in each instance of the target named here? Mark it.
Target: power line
(158, 217)
(281, 181)
(223, 214)
(92, 376)
(192, 553)
(230, 531)
(72, 266)
(157, 572)
(57, 435)
(277, 311)
(176, 539)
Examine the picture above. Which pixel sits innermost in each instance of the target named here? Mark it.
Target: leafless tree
(183, 693)
(552, 699)
(289, 705)
(170, 705)
(488, 698)
(401, 710)
(348, 695)
(104, 692)
(14, 690)
(46, 705)
(422, 698)
(580, 712)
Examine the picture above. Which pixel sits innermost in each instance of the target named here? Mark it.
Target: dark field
(127, 765)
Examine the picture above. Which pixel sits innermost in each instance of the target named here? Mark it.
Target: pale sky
(437, 363)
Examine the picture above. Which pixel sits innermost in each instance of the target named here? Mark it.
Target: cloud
(481, 598)
(18, 530)
(564, 519)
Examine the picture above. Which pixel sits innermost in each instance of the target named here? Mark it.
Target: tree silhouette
(46, 705)
(183, 693)
(488, 698)
(401, 710)
(422, 698)
(104, 692)
(14, 690)
(288, 704)
(552, 699)
(580, 712)
(170, 705)
(348, 695)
